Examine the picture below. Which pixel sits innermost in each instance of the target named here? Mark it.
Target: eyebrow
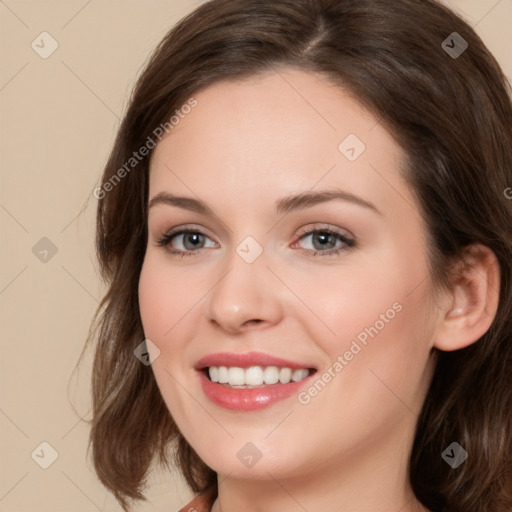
(283, 205)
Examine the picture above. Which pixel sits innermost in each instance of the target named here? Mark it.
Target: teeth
(285, 375)
(299, 375)
(223, 375)
(214, 374)
(271, 375)
(236, 376)
(255, 375)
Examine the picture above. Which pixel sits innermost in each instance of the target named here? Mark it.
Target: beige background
(58, 118)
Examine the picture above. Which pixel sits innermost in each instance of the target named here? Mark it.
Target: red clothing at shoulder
(202, 502)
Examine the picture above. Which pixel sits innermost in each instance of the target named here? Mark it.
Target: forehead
(284, 132)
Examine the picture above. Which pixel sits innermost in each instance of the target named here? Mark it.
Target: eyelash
(347, 242)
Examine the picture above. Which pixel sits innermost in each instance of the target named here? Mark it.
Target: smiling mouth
(255, 376)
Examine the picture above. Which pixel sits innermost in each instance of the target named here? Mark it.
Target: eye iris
(324, 236)
(192, 236)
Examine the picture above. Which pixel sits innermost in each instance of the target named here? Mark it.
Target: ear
(469, 307)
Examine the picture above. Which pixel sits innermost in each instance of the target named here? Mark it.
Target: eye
(185, 241)
(188, 241)
(325, 241)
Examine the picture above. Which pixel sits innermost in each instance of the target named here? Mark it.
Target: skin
(246, 145)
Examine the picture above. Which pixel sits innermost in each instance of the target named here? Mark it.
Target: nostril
(254, 321)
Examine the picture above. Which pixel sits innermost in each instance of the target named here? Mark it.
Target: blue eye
(326, 242)
(192, 241)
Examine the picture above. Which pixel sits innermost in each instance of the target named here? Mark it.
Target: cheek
(166, 295)
(375, 316)
(377, 366)
(346, 301)
(382, 355)
(164, 303)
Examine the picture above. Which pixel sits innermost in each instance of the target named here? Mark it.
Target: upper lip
(246, 360)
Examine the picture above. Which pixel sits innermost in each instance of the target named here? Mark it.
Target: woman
(307, 237)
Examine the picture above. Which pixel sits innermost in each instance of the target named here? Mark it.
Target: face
(331, 292)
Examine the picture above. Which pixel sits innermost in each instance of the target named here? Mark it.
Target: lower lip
(249, 399)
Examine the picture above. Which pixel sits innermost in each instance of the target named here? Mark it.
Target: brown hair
(453, 118)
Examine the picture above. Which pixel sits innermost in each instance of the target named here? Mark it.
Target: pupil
(194, 238)
(323, 238)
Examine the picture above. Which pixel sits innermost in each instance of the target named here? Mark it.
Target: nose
(245, 298)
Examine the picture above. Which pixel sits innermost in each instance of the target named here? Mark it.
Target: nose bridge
(243, 295)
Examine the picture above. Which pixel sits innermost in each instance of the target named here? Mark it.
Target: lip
(254, 398)
(247, 360)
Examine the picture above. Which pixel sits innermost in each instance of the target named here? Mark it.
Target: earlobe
(472, 303)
